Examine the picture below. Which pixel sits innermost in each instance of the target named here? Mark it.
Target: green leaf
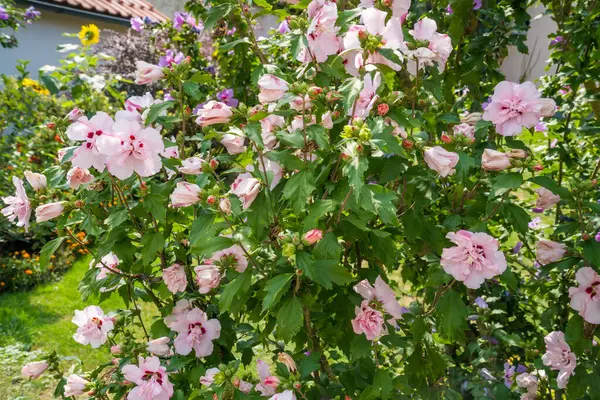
(286, 159)
(192, 89)
(202, 78)
(51, 83)
(215, 14)
(309, 364)
(154, 204)
(317, 210)
(263, 4)
(116, 218)
(152, 242)
(289, 318)
(591, 252)
(575, 335)
(49, 249)
(253, 131)
(383, 381)
(275, 288)
(449, 118)
(510, 279)
(350, 90)
(451, 314)
(156, 109)
(551, 185)
(328, 248)
(332, 271)
(390, 54)
(235, 288)
(298, 188)
(517, 217)
(465, 163)
(360, 347)
(306, 263)
(231, 45)
(505, 182)
(355, 171)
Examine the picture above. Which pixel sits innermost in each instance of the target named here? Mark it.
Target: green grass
(41, 318)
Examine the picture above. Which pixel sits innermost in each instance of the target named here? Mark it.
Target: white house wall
(38, 41)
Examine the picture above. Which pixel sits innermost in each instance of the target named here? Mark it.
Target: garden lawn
(40, 320)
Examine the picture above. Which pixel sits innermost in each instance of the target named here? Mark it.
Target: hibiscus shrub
(359, 225)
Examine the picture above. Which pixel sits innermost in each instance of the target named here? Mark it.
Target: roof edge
(76, 11)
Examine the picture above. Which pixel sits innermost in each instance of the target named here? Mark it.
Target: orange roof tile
(116, 8)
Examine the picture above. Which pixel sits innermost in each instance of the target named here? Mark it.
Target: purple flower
(211, 69)
(148, 21)
(307, 353)
(566, 89)
(230, 31)
(31, 14)
(476, 4)
(492, 340)
(553, 143)
(284, 27)
(557, 40)
(404, 310)
(226, 96)
(169, 59)
(168, 97)
(509, 372)
(473, 317)
(198, 108)
(521, 369)
(179, 18)
(597, 237)
(3, 14)
(540, 127)
(449, 9)
(486, 103)
(537, 210)
(481, 303)
(517, 248)
(534, 223)
(137, 24)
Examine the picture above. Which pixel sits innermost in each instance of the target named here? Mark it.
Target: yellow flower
(89, 34)
(35, 86)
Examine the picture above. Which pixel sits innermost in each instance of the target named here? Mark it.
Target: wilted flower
(37, 181)
(175, 278)
(18, 206)
(49, 211)
(34, 369)
(441, 161)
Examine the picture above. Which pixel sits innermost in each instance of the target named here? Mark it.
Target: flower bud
(548, 107)
(37, 181)
(225, 205)
(313, 236)
(288, 361)
(288, 250)
(49, 211)
(383, 109)
(314, 91)
(51, 126)
(471, 118)
(538, 167)
(408, 144)
(75, 114)
(445, 138)
(211, 200)
(517, 153)
(213, 164)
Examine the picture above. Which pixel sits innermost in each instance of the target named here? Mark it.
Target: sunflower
(89, 34)
(35, 86)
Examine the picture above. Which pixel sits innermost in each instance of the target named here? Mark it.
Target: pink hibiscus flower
(439, 46)
(382, 293)
(559, 357)
(195, 332)
(474, 259)
(368, 321)
(90, 131)
(230, 257)
(268, 383)
(151, 379)
(18, 206)
(246, 187)
(586, 297)
(93, 326)
(131, 149)
(513, 107)
(367, 97)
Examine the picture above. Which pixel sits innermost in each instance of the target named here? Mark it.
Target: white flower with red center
(18, 206)
(437, 50)
(559, 357)
(246, 187)
(89, 131)
(367, 97)
(399, 7)
(230, 257)
(382, 293)
(131, 149)
(93, 326)
(151, 379)
(322, 33)
(196, 332)
(182, 307)
(586, 297)
(388, 34)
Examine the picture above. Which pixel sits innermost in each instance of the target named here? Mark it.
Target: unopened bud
(383, 109)
(225, 205)
(79, 203)
(314, 91)
(586, 237)
(445, 138)
(407, 144)
(51, 125)
(213, 164)
(517, 153)
(297, 385)
(538, 167)
(211, 200)
(288, 249)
